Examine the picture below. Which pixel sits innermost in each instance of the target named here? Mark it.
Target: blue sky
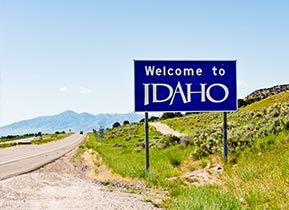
(65, 54)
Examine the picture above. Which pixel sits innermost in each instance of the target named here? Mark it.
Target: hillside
(65, 121)
(262, 94)
(266, 92)
(191, 169)
(191, 123)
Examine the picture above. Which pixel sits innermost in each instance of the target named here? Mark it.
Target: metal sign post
(146, 127)
(225, 136)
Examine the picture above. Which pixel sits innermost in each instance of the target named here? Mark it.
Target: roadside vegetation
(7, 144)
(256, 176)
(50, 137)
(16, 137)
(38, 138)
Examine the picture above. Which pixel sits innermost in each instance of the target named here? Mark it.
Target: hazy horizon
(73, 55)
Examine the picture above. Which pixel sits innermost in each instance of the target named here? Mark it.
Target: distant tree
(94, 131)
(38, 134)
(167, 115)
(57, 132)
(241, 103)
(178, 114)
(63, 132)
(101, 133)
(27, 135)
(126, 122)
(142, 120)
(153, 118)
(116, 124)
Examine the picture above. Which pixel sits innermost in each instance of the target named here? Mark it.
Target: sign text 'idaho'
(185, 86)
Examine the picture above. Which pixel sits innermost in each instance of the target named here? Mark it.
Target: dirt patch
(92, 165)
(94, 168)
(166, 130)
(210, 175)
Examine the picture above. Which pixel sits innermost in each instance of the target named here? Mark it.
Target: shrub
(173, 139)
(240, 135)
(116, 124)
(164, 141)
(153, 118)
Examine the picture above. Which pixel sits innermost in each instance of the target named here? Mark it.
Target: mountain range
(65, 121)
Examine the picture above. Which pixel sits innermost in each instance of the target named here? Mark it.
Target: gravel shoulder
(59, 185)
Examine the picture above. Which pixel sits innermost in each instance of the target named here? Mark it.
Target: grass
(120, 155)
(38, 140)
(50, 137)
(205, 197)
(123, 155)
(259, 180)
(190, 124)
(13, 138)
(278, 98)
(5, 145)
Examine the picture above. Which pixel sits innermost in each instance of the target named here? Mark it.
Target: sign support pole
(146, 126)
(225, 137)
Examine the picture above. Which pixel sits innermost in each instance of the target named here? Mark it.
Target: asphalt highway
(24, 158)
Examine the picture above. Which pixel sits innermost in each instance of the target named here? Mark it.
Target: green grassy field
(125, 153)
(192, 123)
(256, 176)
(261, 177)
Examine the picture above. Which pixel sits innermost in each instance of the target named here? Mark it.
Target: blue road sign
(198, 86)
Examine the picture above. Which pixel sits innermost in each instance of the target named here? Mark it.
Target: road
(61, 184)
(24, 158)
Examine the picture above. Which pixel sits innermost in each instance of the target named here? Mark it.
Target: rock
(184, 141)
(219, 169)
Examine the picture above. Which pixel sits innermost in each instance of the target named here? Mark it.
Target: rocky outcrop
(262, 94)
(266, 92)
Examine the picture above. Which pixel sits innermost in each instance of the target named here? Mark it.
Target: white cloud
(241, 84)
(85, 90)
(63, 89)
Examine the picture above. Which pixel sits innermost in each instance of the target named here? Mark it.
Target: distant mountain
(65, 121)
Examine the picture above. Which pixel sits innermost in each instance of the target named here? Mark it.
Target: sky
(68, 54)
